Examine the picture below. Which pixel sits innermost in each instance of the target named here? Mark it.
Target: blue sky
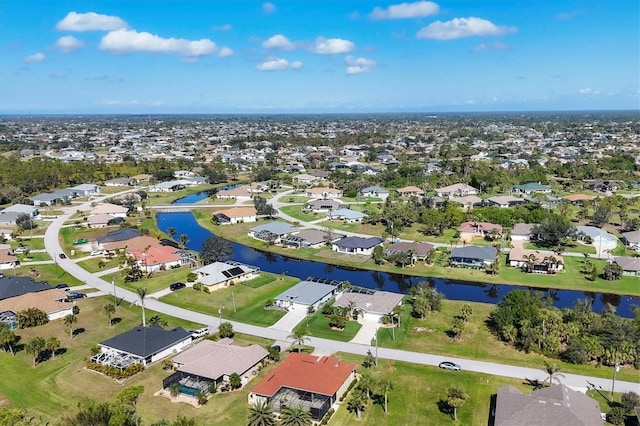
(240, 56)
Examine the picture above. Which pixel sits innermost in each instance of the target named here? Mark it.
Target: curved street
(52, 246)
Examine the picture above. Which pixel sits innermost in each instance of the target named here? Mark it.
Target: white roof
(594, 233)
(213, 273)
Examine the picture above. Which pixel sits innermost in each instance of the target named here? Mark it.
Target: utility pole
(113, 283)
(220, 314)
(233, 297)
(375, 337)
(613, 384)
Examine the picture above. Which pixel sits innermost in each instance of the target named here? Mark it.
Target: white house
(218, 275)
(356, 245)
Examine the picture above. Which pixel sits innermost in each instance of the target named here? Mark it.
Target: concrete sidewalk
(290, 320)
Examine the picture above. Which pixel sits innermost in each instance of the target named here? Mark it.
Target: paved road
(52, 245)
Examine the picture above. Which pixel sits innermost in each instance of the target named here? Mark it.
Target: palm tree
(261, 414)
(531, 260)
(366, 383)
(295, 416)
(184, 239)
(142, 294)
(7, 337)
(34, 347)
(109, 309)
(299, 338)
(171, 231)
(357, 402)
(158, 320)
(174, 389)
(553, 371)
(69, 320)
(52, 344)
(455, 399)
(385, 386)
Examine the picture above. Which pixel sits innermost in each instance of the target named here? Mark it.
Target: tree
(553, 372)
(295, 416)
(616, 416)
(7, 337)
(171, 231)
(90, 413)
(183, 240)
(142, 294)
(235, 381)
(465, 311)
(109, 309)
(34, 347)
(553, 231)
(456, 397)
(384, 386)
(457, 327)
(128, 400)
(357, 402)
(601, 215)
(369, 361)
(630, 400)
(32, 317)
(274, 354)
(52, 345)
(299, 338)
(69, 321)
(215, 249)
(174, 389)
(378, 255)
(612, 271)
(25, 222)
(261, 414)
(159, 321)
(225, 329)
(262, 207)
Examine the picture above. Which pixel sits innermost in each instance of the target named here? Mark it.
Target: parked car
(177, 286)
(19, 250)
(96, 253)
(201, 332)
(448, 365)
(62, 256)
(62, 286)
(76, 295)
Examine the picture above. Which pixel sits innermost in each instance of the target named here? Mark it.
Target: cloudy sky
(242, 56)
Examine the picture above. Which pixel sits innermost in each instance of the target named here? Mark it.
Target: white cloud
(36, 57)
(332, 46)
(278, 64)
(359, 65)
(418, 9)
(278, 41)
(588, 91)
(90, 21)
(225, 27)
(483, 47)
(69, 44)
(463, 27)
(127, 41)
(225, 52)
(268, 7)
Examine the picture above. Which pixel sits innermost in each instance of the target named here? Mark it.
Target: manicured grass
(418, 392)
(92, 265)
(34, 257)
(317, 325)
(477, 342)
(158, 281)
(294, 199)
(32, 243)
(249, 301)
(52, 274)
(573, 248)
(297, 213)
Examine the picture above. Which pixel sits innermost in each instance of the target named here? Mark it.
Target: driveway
(290, 320)
(366, 332)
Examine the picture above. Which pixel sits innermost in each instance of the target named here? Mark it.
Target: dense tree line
(577, 335)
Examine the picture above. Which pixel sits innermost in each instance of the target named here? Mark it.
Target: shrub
(197, 286)
(616, 416)
(192, 277)
(269, 303)
(336, 321)
(114, 372)
(327, 416)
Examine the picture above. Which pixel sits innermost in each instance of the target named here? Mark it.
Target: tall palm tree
(261, 414)
(7, 337)
(456, 398)
(171, 231)
(295, 416)
(69, 320)
(142, 294)
(34, 347)
(553, 371)
(109, 309)
(299, 338)
(357, 402)
(385, 386)
(52, 344)
(184, 239)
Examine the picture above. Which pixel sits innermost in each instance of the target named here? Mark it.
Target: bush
(197, 286)
(191, 277)
(269, 303)
(114, 372)
(336, 321)
(616, 416)
(327, 416)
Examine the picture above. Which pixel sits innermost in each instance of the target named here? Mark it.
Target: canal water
(199, 196)
(185, 223)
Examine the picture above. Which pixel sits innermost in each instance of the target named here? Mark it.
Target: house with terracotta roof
(311, 382)
(471, 230)
(7, 259)
(20, 293)
(157, 258)
(533, 260)
(410, 191)
(239, 193)
(235, 215)
(456, 190)
(578, 199)
(110, 209)
(210, 363)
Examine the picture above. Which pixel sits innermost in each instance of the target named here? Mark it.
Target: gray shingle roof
(631, 264)
(306, 292)
(358, 242)
(16, 286)
(146, 341)
(475, 252)
(278, 228)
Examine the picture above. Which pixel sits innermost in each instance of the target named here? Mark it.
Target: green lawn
(297, 213)
(93, 264)
(249, 301)
(52, 274)
(317, 325)
(477, 342)
(32, 243)
(158, 281)
(34, 257)
(572, 248)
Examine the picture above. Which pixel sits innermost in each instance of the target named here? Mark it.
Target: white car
(201, 332)
(96, 253)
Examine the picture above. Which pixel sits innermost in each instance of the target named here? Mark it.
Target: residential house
(102, 220)
(117, 236)
(7, 259)
(141, 178)
(602, 185)
(272, 232)
(522, 231)
(374, 192)
(307, 293)
(142, 345)
(219, 275)
(314, 383)
(209, 364)
(600, 239)
(468, 202)
(235, 215)
(121, 181)
(533, 260)
(110, 209)
(21, 209)
(532, 188)
(50, 198)
(578, 199)
(632, 239)
(456, 190)
(473, 256)
(9, 218)
(556, 405)
(356, 245)
(471, 230)
(348, 215)
(323, 192)
(239, 193)
(410, 191)
(323, 205)
(85, 190)
(311, 238)
(629, 265)
(370, 306)
(504, 201)
(305, 179)
(157, 258)
(20, 293)
(418, 251)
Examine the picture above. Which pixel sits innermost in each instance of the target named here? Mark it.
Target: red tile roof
(322, 375)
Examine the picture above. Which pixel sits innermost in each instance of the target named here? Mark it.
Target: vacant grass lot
(158, 281)
(477, 341)
(317, 325)
(572, 248)
(52, 274)
(417, 394)
(249, 302)
(297, 213)
(93, 264)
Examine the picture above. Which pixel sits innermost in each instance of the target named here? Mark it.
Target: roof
(532, 186)
(358, 242)
(375, 189)
(321, 375)
(475, 252)
(420, 249)
(85, 187)
(119, 235)
(218, 272)
(466, 200)
(522, 228)
(216, 359)
(108, 208)
(347, 214)
(456, 187)
(410, 189)
(306, 292)
(632, 237)
(315, 236)
(146, 341)
(237, 212)
(48, 301)
(319, 203)
(594, 233)
(12, 286)
(278, 228)
(242, 191)
(20, 208)
(157, 255)
(483, 226)
(631, 264)
(323, 189)
(505, 199)
(579, 197)
(549, 406)
(100, 218)
(380, 302)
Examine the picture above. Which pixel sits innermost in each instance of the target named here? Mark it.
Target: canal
(185, 223)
